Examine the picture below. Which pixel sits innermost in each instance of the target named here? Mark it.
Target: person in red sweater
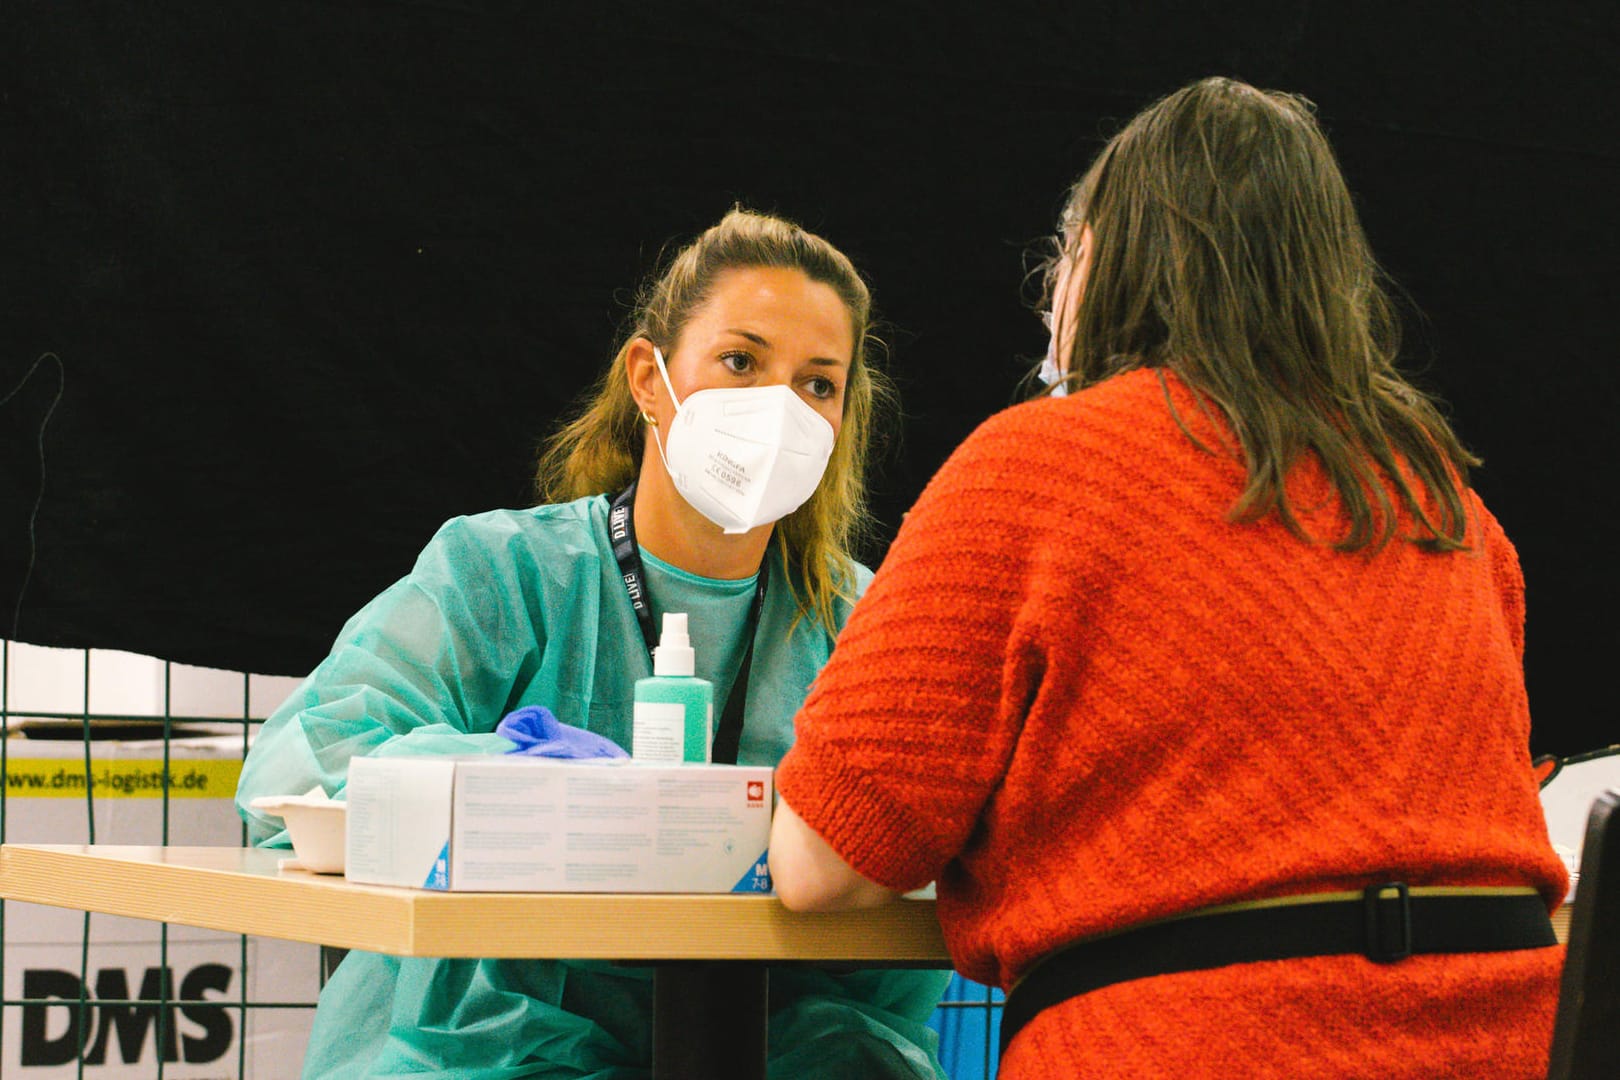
(1199, 689)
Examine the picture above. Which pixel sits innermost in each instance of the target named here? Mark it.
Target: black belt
(1384, 923)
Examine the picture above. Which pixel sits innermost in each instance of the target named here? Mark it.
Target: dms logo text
(186, 1028)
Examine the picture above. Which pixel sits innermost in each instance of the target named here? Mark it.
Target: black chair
(1586, 1035)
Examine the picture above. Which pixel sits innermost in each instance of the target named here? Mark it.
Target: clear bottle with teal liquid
(673, 719)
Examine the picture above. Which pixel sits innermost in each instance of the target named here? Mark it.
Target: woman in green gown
(768, 326)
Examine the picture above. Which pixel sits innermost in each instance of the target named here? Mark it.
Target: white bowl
(316, 825)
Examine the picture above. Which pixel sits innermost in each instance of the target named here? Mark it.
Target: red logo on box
(756, 791)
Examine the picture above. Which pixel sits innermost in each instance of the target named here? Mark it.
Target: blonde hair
(1227, 249)
(598, 449)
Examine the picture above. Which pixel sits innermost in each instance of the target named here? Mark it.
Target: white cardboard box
(1566, 802)
(202, 1030)
(516, 824)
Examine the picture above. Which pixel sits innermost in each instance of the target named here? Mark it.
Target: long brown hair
(598, 450)
(1227, 249)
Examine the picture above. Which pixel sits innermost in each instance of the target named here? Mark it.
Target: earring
(648, 418)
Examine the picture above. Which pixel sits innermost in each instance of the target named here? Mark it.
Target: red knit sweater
(1080, 698)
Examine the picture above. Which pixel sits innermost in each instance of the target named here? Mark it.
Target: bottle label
(658, 731)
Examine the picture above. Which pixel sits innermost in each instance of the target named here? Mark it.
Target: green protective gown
(526, 607)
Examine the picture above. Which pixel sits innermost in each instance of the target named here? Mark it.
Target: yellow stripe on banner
(56, 778)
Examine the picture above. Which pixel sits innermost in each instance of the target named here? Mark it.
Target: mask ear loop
(658, 357)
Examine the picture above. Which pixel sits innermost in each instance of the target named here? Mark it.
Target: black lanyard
(622, 535)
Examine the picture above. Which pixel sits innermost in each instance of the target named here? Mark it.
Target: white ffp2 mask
(1050, 374)
(744, 456)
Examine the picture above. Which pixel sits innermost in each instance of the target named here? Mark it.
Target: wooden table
(709, 951)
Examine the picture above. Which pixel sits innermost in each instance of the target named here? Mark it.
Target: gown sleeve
(427, 667)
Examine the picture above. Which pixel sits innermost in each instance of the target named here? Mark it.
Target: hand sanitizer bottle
(674, 710)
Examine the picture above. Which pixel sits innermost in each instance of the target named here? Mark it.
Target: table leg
(709, 1020)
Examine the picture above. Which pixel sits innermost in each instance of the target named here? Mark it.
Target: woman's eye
(822, 387)
(740, 363)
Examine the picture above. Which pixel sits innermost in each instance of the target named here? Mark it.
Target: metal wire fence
(107, 753)
(150, 760)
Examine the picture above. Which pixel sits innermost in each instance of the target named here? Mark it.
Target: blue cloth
(503, 611)
(538, 733)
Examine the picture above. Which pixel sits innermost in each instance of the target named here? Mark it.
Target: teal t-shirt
(716, 618)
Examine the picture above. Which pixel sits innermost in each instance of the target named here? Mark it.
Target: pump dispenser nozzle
(674, 655)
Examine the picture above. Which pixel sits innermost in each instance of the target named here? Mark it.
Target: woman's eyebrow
(824, 361)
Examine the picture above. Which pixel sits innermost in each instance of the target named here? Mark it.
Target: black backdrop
(319, 275)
